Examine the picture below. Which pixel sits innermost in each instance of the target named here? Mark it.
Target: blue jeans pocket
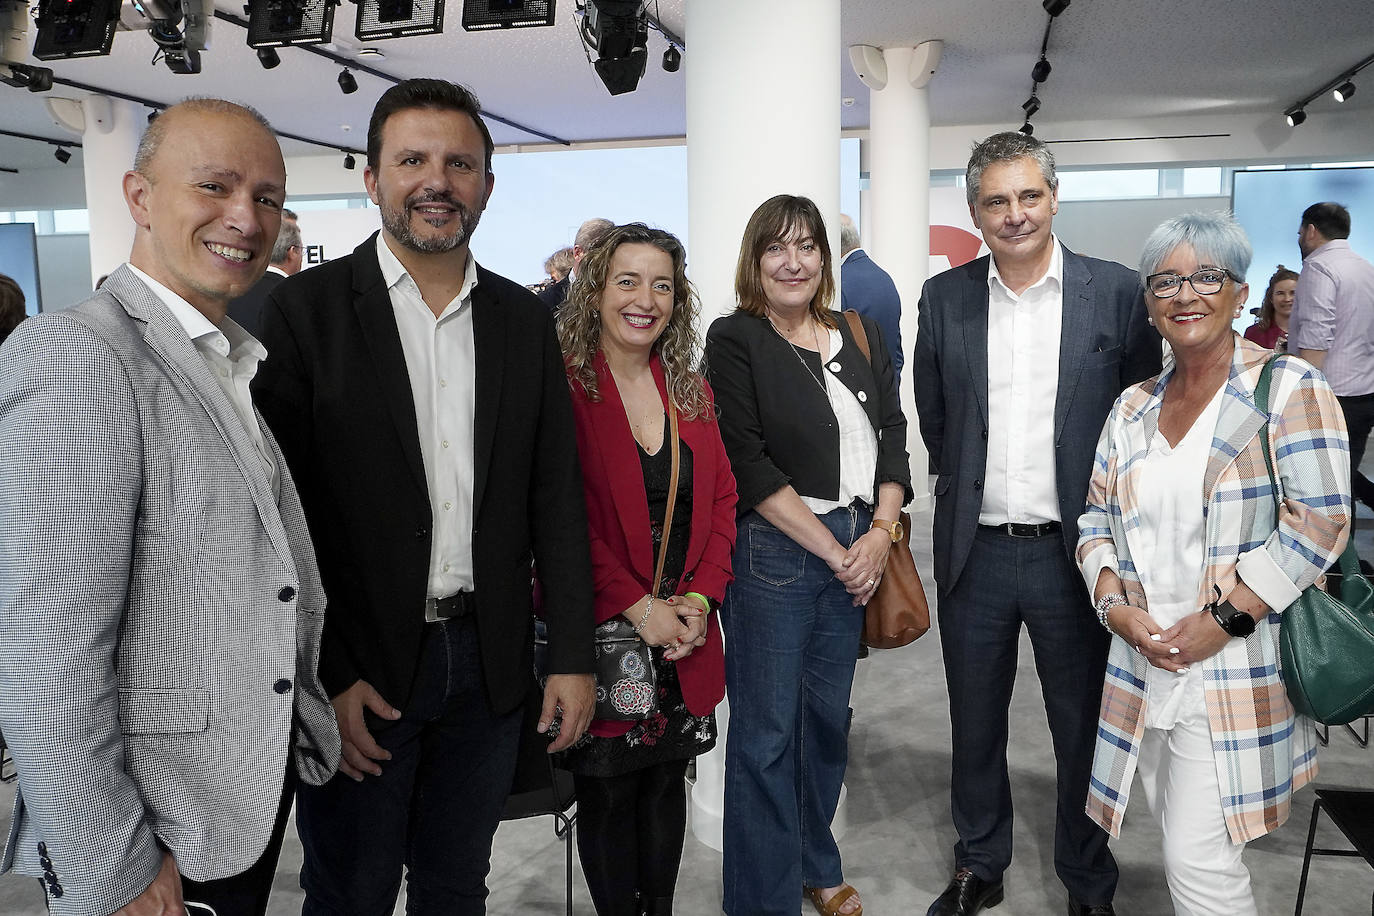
(774, 557)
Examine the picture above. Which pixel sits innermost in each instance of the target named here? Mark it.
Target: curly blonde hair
(579, 320)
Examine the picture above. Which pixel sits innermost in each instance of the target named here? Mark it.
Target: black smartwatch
(1234, 622)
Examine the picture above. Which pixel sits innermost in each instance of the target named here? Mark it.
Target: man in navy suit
(1012, 442)
(867, 288)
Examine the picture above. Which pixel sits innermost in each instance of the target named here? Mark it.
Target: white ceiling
(1112, 59)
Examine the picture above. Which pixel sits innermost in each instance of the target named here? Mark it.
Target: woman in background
(1270, 329)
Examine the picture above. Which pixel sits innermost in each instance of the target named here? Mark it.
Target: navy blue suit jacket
(1105, 345)
(867, 288)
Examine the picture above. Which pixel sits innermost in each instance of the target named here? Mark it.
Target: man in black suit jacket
(422, 401)
(1018, 360)
(285, 262)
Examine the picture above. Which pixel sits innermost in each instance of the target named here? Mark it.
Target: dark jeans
(434, 809)
(1006, 583)
(246, 893)
(790, 630)
(630, 830)
(1359, 421)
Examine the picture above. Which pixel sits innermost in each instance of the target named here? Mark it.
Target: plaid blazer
(1264, 751)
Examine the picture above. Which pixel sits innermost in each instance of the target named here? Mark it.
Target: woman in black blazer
(817, 443)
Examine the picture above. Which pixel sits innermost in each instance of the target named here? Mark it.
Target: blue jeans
(434, 809)
(791, 640)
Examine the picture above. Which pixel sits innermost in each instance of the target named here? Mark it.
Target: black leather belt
(1018, 530)
(457, 605)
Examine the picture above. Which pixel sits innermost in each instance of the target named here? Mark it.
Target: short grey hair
(288, 237)
(849, 234)
(157, 130)
(1007, 147)
(1215, 237)
(591, 232)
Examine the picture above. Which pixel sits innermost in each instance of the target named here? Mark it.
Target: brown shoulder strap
(672, 497)
(856, 327)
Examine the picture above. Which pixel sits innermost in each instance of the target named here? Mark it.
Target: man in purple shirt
(1333, 324)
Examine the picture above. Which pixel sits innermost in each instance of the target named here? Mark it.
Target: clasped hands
(1196, 637)
(860, 568)
(677, 624)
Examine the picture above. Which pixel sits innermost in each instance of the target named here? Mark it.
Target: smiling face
(208, 208)
(1014, 211)
(1192, 323)
(637, 300)
(431, 182)
(790, 271)
(1281, 297)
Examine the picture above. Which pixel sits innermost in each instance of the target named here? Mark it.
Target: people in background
(817, 443)
(588, 234)
(559, 264)
(1270, 329)
(287, 257)
(1333, 324)
(11, 306)
(160, 607)
(629, 338)
(1191, 568)
(869, 290)
(424, 398)
(1018, 359)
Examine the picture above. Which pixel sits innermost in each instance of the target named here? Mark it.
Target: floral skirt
(672, 733)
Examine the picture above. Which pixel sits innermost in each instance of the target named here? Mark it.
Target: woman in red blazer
(629, 339)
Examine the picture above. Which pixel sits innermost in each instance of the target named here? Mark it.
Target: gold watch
(893, 528)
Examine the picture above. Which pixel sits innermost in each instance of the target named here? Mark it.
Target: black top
(658, 472)
(776, 420)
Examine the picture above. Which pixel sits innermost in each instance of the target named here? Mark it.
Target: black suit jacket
(247, 309)
(336, 390)
(1105, 345)
(555, 294)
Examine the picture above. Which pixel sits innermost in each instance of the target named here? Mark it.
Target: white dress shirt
(858, 441)
(1023, 383)
(440, 356)
(233, 356)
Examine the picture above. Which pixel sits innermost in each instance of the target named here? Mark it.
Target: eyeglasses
(1205, 282)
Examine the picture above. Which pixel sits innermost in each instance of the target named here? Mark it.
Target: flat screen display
(19, 261)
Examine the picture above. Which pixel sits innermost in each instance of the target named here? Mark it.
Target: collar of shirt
(846, 255)
(394, 273)
(277, 270)
(229, 340)
(1055, 274)
(1333, 245)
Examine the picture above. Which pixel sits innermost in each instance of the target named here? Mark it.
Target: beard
(397, 224)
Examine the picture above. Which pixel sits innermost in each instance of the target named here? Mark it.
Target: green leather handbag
(1326, 643)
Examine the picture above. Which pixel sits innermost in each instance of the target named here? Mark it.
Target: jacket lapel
(372, 303)
(620, 462)
(975, 325)
(1075, 333)
(489, 332)
(1239, 419)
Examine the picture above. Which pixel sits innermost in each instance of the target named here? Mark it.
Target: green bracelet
(706, 602)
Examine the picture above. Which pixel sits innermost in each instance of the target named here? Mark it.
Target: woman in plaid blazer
(1191, 570)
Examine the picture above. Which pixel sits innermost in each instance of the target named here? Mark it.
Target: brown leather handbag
(897, 614)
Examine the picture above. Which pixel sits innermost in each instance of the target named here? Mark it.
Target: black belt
(1018, 530)
(457, 605)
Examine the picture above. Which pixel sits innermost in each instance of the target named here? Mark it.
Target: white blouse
(858, 441)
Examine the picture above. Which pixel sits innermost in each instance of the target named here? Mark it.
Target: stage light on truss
(75, 28)
(398, 18)
(480, 15)
(618, 30)
(275, 23)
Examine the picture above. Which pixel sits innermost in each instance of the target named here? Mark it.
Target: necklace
(815, 338)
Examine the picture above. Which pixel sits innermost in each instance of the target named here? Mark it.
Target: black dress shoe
(1090, 909)
(966, 895)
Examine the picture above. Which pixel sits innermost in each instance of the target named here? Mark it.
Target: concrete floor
(898, 851)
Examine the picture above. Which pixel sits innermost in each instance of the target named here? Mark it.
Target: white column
(899, 194)
(108, 144)
(763, 118)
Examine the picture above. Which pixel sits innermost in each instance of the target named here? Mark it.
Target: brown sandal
(834, 904)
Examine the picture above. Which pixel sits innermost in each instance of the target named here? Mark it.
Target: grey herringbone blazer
(160, 609)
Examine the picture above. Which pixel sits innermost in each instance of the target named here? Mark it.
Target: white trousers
(1178, 772)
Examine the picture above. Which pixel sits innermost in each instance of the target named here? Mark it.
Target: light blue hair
(1215, 237)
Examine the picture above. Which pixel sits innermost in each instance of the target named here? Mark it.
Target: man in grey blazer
(1019, 357)
(160, 607)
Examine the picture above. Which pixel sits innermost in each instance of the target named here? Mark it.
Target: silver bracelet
(648, 609)
(1105, 604)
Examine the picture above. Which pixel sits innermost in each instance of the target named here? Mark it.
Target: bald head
(167, 119)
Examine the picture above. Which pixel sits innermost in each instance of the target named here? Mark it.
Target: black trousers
(1359, 421)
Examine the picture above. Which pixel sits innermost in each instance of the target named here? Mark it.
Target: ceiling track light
(672, 59)
(1041, 71)
(1031, 106)
(1295, 116)
(1028, 129)
(349, 162)
(268, 57)
(1055, 7)
(348, 84)
(1343, 91)
(1341, 87)
(61, 155)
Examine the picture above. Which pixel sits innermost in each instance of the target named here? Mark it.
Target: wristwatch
(894, 529)
(1234, 622)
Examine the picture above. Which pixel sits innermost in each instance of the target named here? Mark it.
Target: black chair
(1352, 811)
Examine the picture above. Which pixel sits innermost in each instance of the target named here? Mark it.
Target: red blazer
(618, 519)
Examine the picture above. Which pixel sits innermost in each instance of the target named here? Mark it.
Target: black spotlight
(619, 32)
(1026, 129)
(1055, 7)
(75, 28)
(1041, 71)
(347, 84)
(672, 59)
(1031, 105)
(62, 155)
(22, 76)
(1296, 117)
(273, 23)
(1344, 91)
(349, 162)
(268, 58)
